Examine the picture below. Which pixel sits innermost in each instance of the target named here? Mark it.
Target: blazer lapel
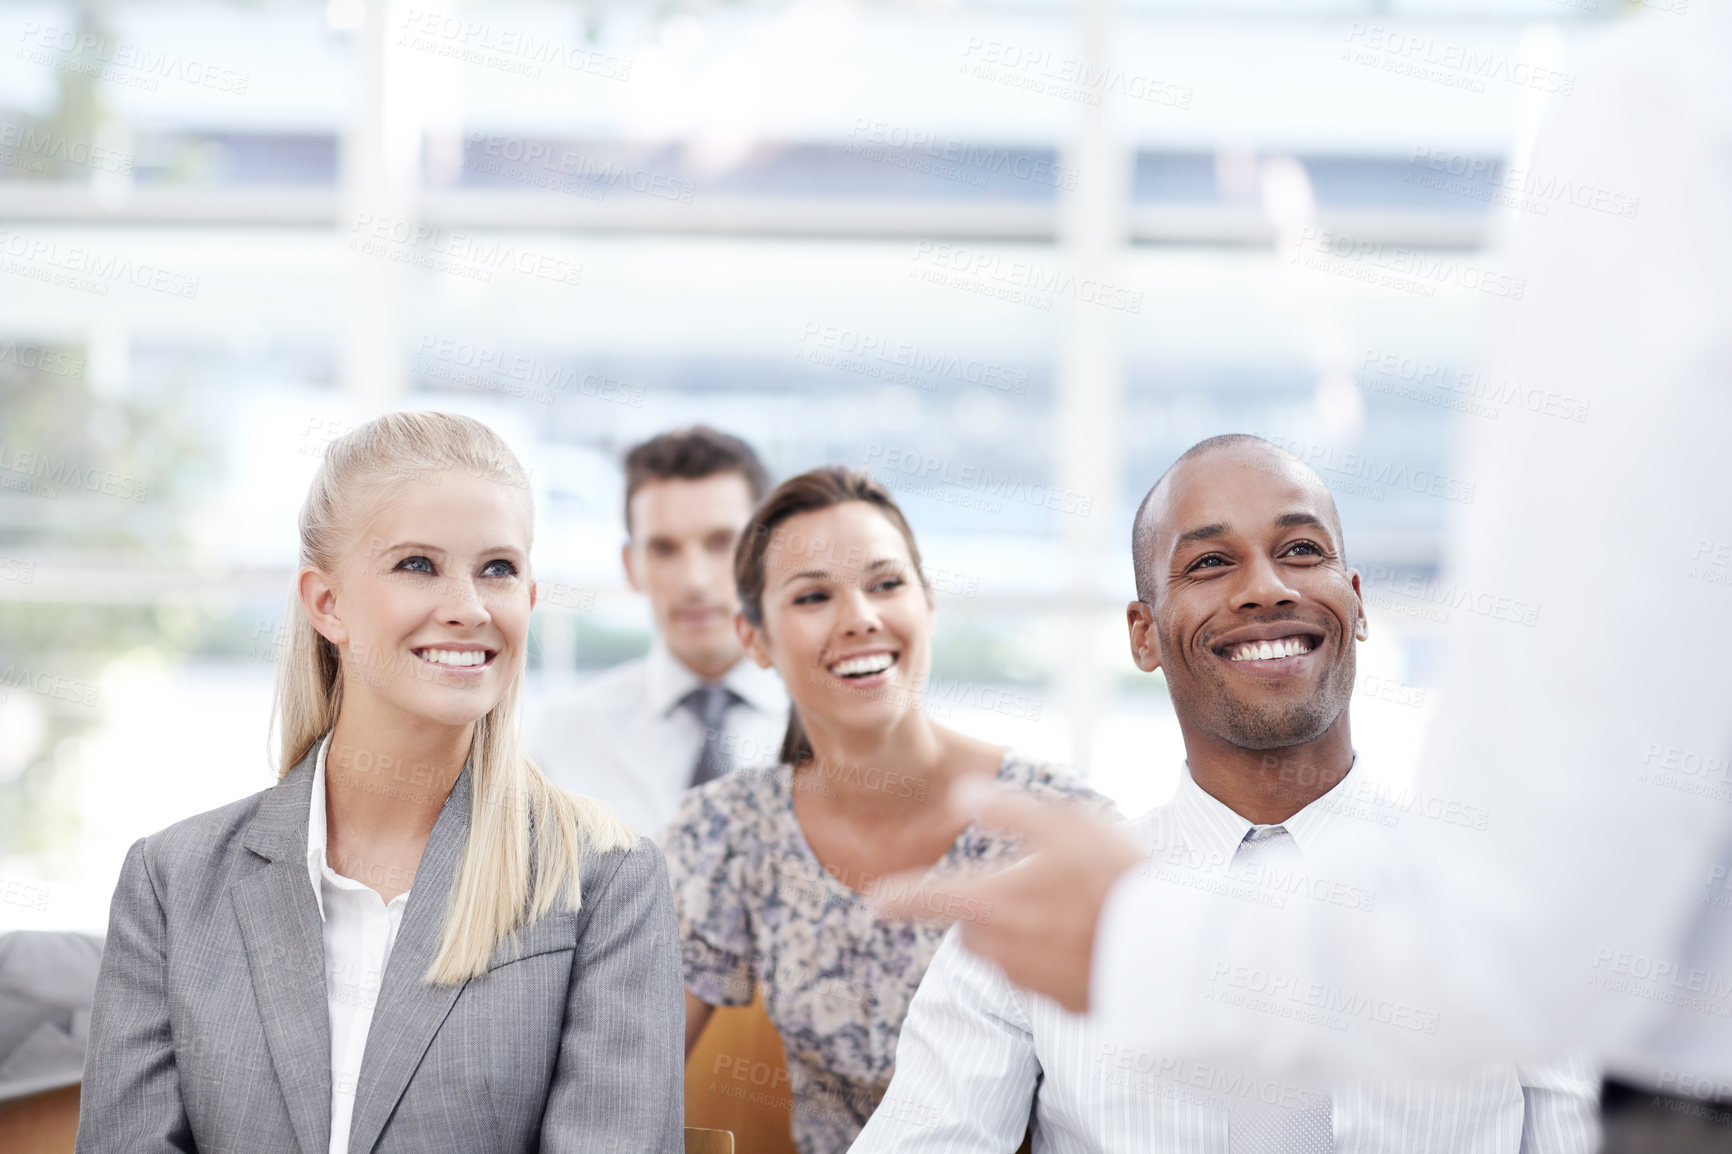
(285, 947)
(409, 1010)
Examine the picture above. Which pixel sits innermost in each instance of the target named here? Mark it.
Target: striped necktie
(710, 703)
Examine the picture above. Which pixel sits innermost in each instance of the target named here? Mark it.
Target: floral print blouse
(756, 906)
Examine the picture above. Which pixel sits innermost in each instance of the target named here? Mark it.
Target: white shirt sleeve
(1584, 704)
(965, 1065)
(1560, 1106)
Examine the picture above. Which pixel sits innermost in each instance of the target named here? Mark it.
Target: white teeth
(454, 656)
(1269, 650)
(862, 666)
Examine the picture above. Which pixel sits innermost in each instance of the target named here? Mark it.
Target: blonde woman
(413, 941)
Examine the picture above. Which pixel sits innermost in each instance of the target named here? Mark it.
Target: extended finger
(914, 896)
(1041, 822)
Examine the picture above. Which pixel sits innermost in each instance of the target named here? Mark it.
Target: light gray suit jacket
(211, 1029)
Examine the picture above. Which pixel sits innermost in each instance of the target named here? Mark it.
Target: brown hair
(806, 493)
(691, 455)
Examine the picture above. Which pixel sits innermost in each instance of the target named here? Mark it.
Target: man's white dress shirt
(979, 1058)
(1595, 735)
(624, 738)
(360, 929)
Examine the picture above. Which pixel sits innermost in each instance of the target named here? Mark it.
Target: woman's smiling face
(847, 622)
(429, 606)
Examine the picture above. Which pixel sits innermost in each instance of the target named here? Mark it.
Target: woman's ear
(752, 640)
(319, 601)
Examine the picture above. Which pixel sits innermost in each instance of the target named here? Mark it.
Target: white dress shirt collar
(670, 679)
(359, 930)
(1215, 828)
(317, 863)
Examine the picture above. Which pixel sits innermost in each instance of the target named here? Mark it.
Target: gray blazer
(211, 1029)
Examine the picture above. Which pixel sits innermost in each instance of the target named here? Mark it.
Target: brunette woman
(768, 865)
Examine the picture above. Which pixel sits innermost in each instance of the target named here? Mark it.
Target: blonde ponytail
(503, 883)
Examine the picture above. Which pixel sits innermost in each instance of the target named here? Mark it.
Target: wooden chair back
(737, 1080)
(708, 1141)
(40, 1124)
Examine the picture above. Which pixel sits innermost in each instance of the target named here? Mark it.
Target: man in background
(641, 734)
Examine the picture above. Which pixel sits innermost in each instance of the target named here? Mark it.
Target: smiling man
(643, 732)
(1247, 606)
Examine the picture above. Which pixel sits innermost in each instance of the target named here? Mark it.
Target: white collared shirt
(360, 929)
(624, 739)
(978, 1058)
